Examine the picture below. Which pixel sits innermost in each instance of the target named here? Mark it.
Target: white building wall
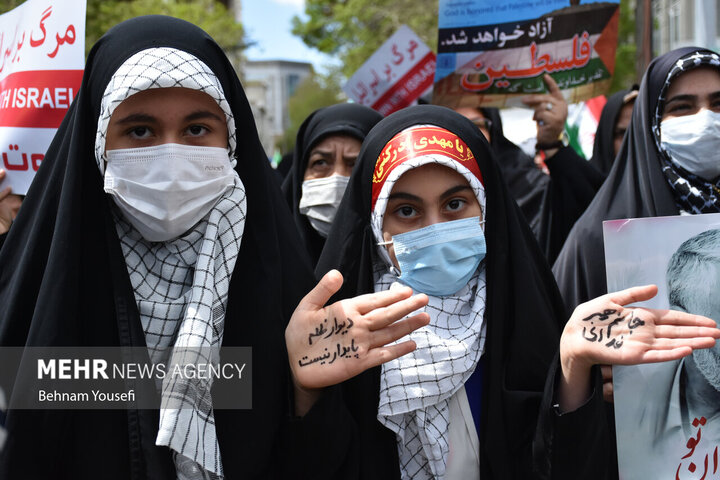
(279, 79)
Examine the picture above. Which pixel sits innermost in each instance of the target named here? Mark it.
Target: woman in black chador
(325, 152)
(649, 178)
(476, 378)
(155, 222)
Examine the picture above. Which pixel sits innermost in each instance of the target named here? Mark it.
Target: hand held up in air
(551, 112)
(605, 331)
(330, 344)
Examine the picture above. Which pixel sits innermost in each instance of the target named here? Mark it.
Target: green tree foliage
(353, 29)
(624, 75)
(210, 15)
(314, 92)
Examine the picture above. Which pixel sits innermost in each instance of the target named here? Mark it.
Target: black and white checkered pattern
(181, 286)
(415, 389)
(161, 67)
(692, 193)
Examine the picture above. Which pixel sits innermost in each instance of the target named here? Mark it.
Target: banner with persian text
(492, 53)
(395, 75)
(42, 56)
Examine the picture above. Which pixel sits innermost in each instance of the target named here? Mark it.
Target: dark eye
(679, 107)
(197, 130)
(140, 133)
(455, 204)
(405, 211)
(319, 163)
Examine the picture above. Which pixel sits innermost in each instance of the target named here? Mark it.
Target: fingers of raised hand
(397, 330)
(380, 355)
(676, 317)
(553, 88)
(367, 303)
(632, 295)
(384, 316)
(328, 285)
(653, 356)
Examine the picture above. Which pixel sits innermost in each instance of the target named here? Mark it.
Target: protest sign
(42, 55)
(667, 415)
(492, 53)
(395, 75)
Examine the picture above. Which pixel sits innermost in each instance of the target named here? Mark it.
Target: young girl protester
(155, 222)
(426, 207)
(326, 149)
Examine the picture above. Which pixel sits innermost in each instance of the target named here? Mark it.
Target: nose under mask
(692, 142)
(441, 258)
(165, 190)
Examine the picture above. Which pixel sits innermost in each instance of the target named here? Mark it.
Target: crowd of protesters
(414, 308)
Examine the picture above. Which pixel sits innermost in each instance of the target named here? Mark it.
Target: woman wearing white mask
(667, 165)
(155, 222)
(326, 148)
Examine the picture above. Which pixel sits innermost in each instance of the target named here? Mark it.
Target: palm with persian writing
(604, 331)
(330, 344)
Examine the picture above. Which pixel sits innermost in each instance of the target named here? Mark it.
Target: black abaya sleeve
(577, 444)
(574, 183)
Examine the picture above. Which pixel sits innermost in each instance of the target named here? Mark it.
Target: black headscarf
(63, 282)
(524, 312)
(636, 187)
(604, 148)
(341, 119)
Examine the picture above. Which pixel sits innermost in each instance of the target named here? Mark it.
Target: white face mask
(693, 142)
(320, 200)
(164, 190)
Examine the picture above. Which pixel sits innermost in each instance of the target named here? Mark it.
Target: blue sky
(268, 22)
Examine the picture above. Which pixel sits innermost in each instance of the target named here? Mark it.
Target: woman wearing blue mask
(426, 207)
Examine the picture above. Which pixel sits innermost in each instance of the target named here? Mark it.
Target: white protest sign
(395, 75)
(42, 56)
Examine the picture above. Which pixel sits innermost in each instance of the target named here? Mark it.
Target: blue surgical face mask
(440, 259)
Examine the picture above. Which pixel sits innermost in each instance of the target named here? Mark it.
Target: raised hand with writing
(330, 344)
(605, 331)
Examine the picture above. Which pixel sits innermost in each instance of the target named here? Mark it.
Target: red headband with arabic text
(417, 142)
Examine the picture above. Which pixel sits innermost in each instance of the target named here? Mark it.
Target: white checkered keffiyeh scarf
(181, 286)
(415, 389)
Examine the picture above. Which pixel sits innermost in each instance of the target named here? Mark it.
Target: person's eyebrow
(137, 118)
(682, 98)
(454, 190)
(404, 196)
(714, 95)
(322, 153)
(201, 115)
